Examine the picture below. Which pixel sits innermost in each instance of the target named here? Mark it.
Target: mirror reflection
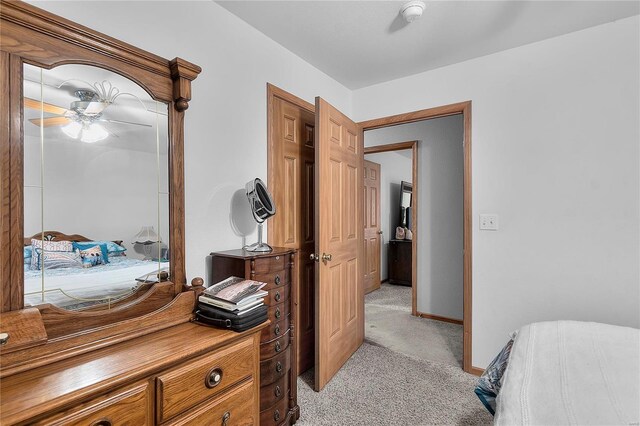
(96, 204)
(406, 190)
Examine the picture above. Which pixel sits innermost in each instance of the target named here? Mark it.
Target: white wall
(394, 168)
(440, 208)
(225, 125)
(555, 131)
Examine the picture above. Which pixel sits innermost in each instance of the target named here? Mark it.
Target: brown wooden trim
(274, 92)
(17, 183)
(5, 184)
(463, 108)
(476, 371)
(410, 117)
(398, 146)
(413, 146)
(31, 35)
(439, 318)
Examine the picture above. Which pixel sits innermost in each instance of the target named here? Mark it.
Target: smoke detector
(412, 10)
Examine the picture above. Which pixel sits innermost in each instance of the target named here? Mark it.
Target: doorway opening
(292, 130)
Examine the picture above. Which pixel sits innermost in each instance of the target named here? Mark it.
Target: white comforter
(569, 372)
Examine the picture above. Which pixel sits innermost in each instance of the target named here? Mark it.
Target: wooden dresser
(399, 258)
(278, 392)
(185, 374)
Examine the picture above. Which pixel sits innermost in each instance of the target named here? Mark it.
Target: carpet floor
(387, 382)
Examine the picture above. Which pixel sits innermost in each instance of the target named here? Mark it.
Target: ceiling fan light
(72, 129)
(93, 133)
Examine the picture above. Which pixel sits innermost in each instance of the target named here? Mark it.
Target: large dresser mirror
(92, 194)
(96, 195)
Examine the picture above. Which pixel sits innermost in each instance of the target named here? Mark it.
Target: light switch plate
(489, 222)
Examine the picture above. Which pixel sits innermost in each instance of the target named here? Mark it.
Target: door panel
(340, 234)
(372, 225)
(292, 186)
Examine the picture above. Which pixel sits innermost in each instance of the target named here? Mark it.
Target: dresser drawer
(274, 368)
(270, 394)
(130, 406)
(275, 347)
(266, 265)
(275, 330)
(203, 378)
(274, 279)
(275, 414)
(278, 312)
(236, 406)
(278, 295)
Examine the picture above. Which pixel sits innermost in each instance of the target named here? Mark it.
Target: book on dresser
(235, 294)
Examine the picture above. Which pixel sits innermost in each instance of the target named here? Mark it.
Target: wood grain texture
(25, 329)
(55, 386)
(463, 108)
(5, 183)
(372, 240)
(132, 405)
(31, 35)
(60, 322)
(290, 154)
(185, 387)
(178, 311)
(339, 294)
(439, 318)
(239, 404)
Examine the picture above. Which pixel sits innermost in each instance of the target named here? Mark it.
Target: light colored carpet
(388, 323)
(380, 387)
(406, 373)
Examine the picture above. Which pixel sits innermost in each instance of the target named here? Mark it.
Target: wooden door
(291, 175)
(339, 241)
(372, 232)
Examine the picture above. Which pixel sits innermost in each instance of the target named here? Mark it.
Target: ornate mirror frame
(31, 35)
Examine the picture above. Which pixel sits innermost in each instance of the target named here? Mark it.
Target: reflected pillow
(57, 259)
(48, 246)
(94, 256)
(113, 249)
(90, 244)
(28, 252)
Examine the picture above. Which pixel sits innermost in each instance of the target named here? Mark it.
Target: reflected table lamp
(147, 237)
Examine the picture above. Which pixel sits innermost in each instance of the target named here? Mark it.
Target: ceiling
(360, 43)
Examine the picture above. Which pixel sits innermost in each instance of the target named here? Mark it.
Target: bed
(571, 372)
(78, 287)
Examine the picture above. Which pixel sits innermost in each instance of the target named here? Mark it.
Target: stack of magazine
(234, 303)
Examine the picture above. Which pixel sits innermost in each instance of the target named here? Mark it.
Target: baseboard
(439, 318)
(386, 280)
(476, 371)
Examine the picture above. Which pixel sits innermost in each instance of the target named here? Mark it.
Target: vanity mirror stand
(95, 317)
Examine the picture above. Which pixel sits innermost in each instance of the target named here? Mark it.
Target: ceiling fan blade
(124, 122)
(35, 104)
(51, 121)
(95, 108)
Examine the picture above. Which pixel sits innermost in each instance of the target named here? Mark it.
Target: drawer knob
(277, 329)
(225, 418)
(278, 391)
(277, 296)
(276, 415)
(277, 257)
(278, 367)
(214, 378)
(278, 346)
(277, 280)
(4, 338)
(102, 422)
(278, 313)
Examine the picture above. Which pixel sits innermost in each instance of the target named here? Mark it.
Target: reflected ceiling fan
(81, 120)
